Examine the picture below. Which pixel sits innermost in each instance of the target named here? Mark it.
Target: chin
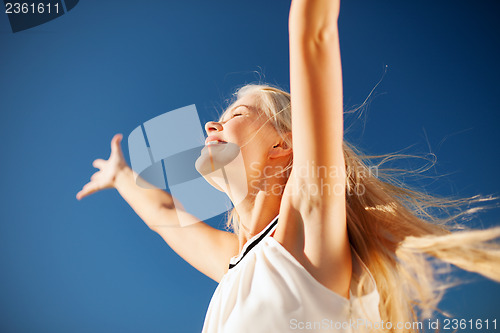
(222, 167)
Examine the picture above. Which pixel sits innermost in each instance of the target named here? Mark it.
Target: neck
(255, 213)
(260, 205)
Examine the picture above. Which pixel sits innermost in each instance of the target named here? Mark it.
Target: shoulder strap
(254, 241)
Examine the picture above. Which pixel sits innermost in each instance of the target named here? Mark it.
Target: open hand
(108, 170)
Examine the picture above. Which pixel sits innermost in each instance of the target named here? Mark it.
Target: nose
(213, 126)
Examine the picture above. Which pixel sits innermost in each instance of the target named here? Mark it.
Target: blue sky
(106, 67)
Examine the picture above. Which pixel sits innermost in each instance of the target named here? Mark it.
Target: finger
(94, 176)
(116, 142)
(98, 163)
(87, 190)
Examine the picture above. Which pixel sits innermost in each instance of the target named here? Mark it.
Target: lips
(212, 140)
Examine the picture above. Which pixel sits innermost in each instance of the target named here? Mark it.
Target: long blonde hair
(397, 229)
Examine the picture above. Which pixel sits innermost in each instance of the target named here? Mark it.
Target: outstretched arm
(317, 184)
(206, 248)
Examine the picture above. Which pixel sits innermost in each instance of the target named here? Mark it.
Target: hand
(108, 170)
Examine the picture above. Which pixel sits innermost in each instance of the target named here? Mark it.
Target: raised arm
(316, 197)
(316, 86)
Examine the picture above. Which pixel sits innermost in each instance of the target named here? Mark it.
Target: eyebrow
(232, 109)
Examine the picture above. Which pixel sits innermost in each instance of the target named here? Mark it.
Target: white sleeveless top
(267, 290)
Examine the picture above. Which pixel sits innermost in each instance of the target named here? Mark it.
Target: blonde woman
(319, 242)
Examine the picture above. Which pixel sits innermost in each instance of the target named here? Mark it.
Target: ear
(281, 148)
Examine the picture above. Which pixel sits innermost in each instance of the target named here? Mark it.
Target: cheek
(235, 132)
(254, 153)
(252, 136)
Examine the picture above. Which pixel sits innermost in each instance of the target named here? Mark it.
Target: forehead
(248, 102)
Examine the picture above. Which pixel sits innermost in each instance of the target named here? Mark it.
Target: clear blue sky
(107, 66)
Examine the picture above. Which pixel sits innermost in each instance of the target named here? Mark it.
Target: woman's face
(241, 144)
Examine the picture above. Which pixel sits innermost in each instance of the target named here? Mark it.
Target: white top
(267, 290)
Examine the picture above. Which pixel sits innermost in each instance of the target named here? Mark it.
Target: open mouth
(215, 142)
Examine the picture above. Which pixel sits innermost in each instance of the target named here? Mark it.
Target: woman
(319, 242)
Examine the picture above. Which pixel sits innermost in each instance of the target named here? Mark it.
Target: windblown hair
(397, 230)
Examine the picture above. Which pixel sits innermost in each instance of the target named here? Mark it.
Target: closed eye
(234, 113)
